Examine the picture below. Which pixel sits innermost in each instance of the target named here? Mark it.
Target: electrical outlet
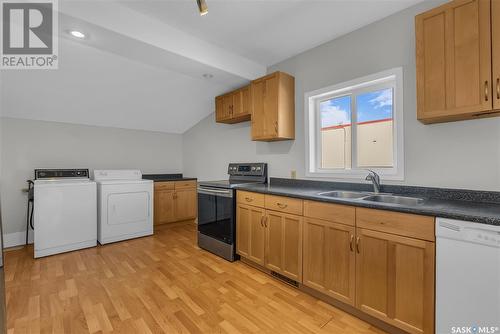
(293, 174)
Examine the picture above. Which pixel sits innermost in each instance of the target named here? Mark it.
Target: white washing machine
(124, 205)
(65, 211)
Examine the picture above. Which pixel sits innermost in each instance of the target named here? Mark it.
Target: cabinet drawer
(336, 213)
(249, 198)
(405, 224)
(185, 184)
(164, 186)
(284, 204)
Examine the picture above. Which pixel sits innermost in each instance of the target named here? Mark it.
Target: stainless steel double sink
(374, 197)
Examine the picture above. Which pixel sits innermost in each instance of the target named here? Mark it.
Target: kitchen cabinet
(380, 262)
(395, 279)
(250, 234)
(273, 107)
(246, 101)
(454, 61)
(219, 109)
(284, 244)
(269, 238)
(233, 107)
(175, 201)
(164, 206)
(495, 30)
(185, 204)
(329, 259)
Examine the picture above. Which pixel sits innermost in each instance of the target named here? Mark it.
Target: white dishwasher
(467, 277)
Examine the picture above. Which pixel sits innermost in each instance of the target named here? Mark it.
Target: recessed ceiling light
(202, 7)
(77, 34)
(208, 76)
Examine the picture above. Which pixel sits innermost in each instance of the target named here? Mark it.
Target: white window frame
(385, 79)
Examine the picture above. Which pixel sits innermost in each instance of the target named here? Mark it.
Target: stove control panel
(247, 169)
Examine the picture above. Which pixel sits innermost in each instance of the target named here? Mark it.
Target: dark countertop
(480, 212)
(167, 177)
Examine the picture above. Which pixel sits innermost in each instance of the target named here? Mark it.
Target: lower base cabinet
(380, 262)
(175, 201)
(329, 259)
(250, 232)
(270, 239)
(395, 279)
(185, 205)
(284, 244)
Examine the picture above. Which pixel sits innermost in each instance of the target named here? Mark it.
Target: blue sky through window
(374, 106)
(371, 106)
(336, 111)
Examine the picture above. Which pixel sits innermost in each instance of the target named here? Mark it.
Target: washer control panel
(61, 173)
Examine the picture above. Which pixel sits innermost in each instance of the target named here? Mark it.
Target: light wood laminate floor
(158, 284)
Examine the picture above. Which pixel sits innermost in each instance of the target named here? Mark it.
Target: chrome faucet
(375, 179)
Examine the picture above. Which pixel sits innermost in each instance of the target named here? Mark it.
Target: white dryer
(124, 205)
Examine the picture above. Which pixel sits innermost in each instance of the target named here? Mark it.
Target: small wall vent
(285, 279)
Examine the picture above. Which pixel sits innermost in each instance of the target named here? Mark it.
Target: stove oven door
(216, 213)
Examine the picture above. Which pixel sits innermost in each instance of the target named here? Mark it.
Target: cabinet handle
(262, 221)
(486, 90)
(281, 205)
(248, 199)
(351, 247)
(276, 127)
(265, 221)
(357, 244)
(498, 88)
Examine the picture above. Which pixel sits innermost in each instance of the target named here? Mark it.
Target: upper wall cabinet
(273, 107)
(458, 65)
(233, 107)
(269, 102)
(495, 28)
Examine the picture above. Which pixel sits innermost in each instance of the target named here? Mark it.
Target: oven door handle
(215, 192)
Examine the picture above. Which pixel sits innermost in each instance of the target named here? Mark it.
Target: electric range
(217, 208)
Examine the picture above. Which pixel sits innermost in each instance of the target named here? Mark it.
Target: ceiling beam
(125, 21)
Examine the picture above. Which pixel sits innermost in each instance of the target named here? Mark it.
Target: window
(355, 126)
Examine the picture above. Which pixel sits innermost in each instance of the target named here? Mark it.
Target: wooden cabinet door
(219, 108)
(164, 206)
(453, 53)
(271, 86)
(227, 106)
(284, 244)
(243, 229)
(265, 107)
(237, 109)
(258, 115)
(495, 23)
(395, 279)
(329, 259)
(246, 101)
(185, 204)
(250, 232)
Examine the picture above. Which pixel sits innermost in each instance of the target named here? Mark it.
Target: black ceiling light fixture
(202, 6)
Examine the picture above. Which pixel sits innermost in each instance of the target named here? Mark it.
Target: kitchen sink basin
(392, 199)
(344, 194)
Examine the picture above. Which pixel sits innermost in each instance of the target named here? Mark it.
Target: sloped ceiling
(142, 65)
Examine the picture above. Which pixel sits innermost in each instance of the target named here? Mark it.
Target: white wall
(458, 155)
(38, 144)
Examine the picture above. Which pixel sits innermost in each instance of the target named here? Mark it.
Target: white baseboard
(16, 239)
